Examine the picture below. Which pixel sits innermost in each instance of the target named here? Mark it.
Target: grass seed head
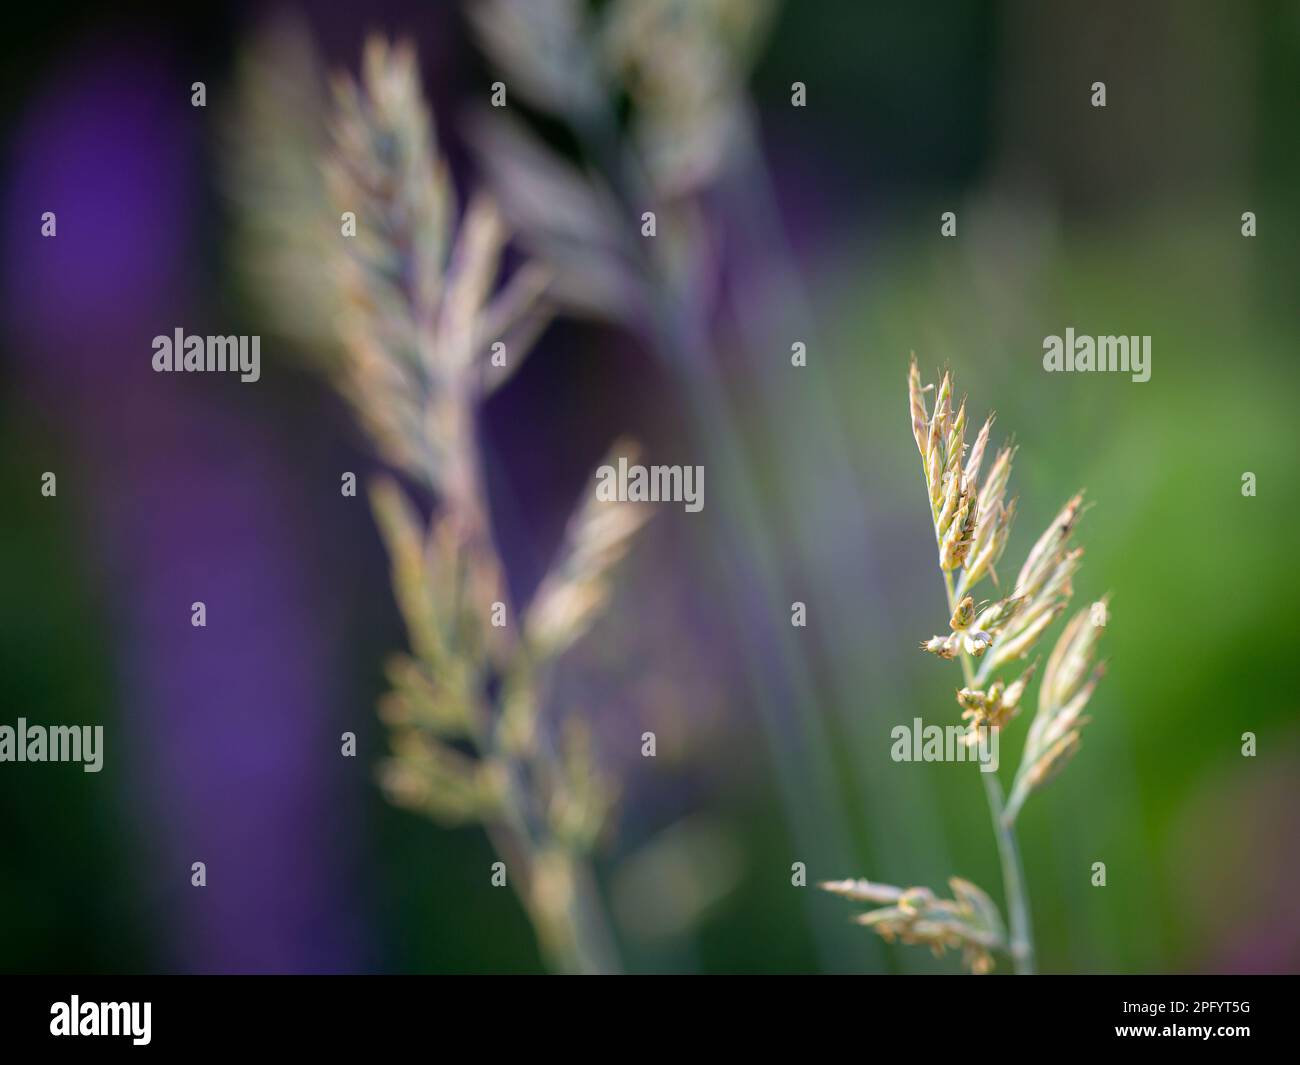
(968, 922)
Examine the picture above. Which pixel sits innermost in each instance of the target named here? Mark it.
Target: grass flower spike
(968, 922)
(1067, 686)
(972, 526)
(422, 302)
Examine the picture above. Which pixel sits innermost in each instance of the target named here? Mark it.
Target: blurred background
(818, 225)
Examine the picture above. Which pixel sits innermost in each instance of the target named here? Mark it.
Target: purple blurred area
(227, 730)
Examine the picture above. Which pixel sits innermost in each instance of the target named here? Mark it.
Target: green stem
(1013, 880)
(1013, 873)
